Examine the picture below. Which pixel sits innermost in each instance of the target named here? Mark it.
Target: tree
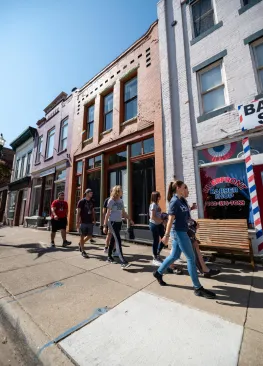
(5, 172)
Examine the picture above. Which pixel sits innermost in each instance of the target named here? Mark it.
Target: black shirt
(86, 210)
(105, 204)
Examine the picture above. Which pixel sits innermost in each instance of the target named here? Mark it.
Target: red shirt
(61, 209)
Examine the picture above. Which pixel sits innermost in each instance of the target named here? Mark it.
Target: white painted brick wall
(240, 80)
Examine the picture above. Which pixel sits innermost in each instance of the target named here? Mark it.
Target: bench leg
(251, 255)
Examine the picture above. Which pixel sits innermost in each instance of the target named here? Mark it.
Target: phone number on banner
(226, 203)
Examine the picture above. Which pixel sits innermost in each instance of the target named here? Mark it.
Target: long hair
(155, 196)
(172, 188)
(116, 192)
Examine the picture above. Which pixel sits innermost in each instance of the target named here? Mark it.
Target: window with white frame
(17, 169)
(22, 166)
(28, 163)
(211, 88)
(63, 135)
(258, 56)
(130, 99)
(50, 143)
(202, 16)
(39, 149)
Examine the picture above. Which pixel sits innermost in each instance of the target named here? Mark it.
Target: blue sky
(52, 45)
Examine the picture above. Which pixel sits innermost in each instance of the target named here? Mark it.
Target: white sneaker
(156, 262)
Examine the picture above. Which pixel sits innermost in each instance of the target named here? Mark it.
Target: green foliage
(5, 172)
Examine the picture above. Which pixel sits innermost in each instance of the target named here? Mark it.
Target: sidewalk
(55, 294)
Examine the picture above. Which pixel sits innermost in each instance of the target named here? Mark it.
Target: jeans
(181, 243)
(157, 232)
(115, 228)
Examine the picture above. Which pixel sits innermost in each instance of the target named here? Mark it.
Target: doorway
(258, 172)
(118, 177)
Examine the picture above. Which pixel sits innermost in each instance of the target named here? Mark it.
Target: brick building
(19, 189)
(6, 163)
(51, 157)
(117, 137)
(211, 54)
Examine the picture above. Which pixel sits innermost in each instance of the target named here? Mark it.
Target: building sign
(251, 115)
(47, 172)
(225, 192)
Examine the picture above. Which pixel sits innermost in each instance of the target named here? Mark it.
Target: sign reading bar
(251, 115)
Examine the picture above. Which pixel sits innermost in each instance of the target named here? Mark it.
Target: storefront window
(221, 152)
(61, 174)
(256, 145)
(47, 196)
(12, 205)
(79, 167)
(36, 200)
(225, 192)
(143, 179)
(93, 182)
(120, 157)
(136, 149)
(94, 162)
(148, 146)
(59, 187)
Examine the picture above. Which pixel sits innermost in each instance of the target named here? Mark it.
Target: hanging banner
(251, 115)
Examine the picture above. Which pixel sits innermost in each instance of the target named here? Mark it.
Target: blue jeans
(181, 243)
(157, 232)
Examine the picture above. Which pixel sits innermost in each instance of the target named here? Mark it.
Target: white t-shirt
(158, 212)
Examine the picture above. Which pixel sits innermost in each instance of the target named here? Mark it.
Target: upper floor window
(39, 148)
(202, 15)
(258, 55)
(22, 169)
(212, 88)
(108, 112)
(50, 143)
(63, 135)
(28, 163)
(130, 99)
(17, 169)
(90, 121)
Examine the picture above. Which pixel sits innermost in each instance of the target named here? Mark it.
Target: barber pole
(253, 192)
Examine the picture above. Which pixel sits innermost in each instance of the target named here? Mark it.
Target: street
(64, 308)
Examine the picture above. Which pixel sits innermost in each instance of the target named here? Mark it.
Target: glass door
(119, 177)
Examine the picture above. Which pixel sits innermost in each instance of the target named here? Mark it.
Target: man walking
(85, 220)
(59, 213)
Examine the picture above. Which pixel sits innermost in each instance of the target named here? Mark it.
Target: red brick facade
(141, 60)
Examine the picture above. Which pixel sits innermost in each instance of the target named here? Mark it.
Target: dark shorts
(86, 229)
(59, 224)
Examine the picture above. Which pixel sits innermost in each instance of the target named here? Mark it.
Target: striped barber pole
(253, 193)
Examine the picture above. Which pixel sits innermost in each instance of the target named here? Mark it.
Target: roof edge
(120, 56)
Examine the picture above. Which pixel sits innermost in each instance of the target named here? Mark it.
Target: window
(63, 135)
(108, 112)
(50, 143)
(142, 147)
(130, 99)
(28, 163)
(94, 162)
(79, 167)
(90, 121)
(258, 54)
(22, 166)
(120, 157)
(61, 174)
(212, 88)
(203, 16)
(39, 148)
(17, 169)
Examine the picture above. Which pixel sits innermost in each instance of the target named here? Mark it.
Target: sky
(49, 46)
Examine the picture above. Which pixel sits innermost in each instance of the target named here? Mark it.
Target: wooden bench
(225, 236)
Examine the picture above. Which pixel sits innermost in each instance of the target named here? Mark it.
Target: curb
(25, 333)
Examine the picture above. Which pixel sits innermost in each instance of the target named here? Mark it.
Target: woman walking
(156, 224)
(113, 219)
(178, 222)
(192, 227)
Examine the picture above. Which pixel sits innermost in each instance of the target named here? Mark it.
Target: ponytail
(170, 192)
(172, 188)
